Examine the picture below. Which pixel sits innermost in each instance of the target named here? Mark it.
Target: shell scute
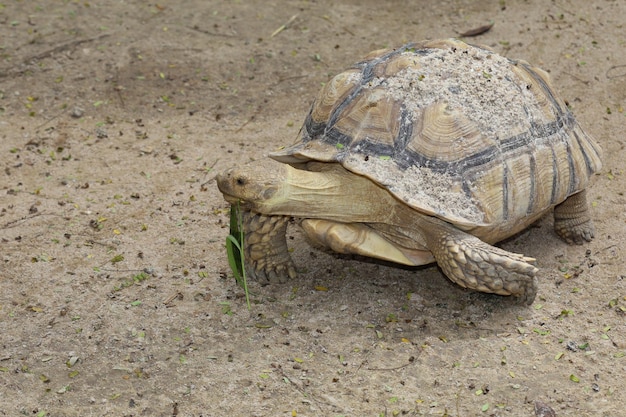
(452, 130)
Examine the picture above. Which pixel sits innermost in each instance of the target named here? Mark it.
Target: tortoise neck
(329, 191)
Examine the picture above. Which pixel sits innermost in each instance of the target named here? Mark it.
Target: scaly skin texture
(267, 257)
(472, 263)
(572, 221)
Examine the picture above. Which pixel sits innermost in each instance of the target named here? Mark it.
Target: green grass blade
(234, 245)
(235, 261)
(236, 222)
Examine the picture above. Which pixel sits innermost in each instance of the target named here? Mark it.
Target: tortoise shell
(453, 130)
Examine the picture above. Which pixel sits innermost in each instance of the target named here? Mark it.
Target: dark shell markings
(453, 130)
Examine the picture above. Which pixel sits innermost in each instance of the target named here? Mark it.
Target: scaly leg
(267, 257)
(572, 221)
(472, 263)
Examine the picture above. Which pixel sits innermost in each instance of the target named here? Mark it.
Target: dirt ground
(116, 297)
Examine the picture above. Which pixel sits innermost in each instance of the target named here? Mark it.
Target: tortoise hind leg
(572, 221)
(472, 263)
(267, 257)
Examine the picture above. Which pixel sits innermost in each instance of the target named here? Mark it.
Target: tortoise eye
(241, 181)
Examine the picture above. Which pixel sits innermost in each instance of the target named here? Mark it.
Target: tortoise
(431, 152)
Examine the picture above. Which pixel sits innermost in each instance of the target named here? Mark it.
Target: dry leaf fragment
(477, 31)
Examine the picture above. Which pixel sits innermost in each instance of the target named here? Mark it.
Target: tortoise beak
(224, 184)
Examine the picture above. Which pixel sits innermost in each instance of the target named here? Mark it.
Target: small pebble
(77, 112)
(543, 410)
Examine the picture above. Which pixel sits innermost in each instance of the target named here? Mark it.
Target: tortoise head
(312, 190)
(254, 185)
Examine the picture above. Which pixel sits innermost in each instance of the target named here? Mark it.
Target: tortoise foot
(575, 233)
(572, 221)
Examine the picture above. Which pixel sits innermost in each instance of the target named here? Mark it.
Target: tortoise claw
(267, 274)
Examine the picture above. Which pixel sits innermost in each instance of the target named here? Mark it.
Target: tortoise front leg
(472, 263)
(572, 221)
(267, 257)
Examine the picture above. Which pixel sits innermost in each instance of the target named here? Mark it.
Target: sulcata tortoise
(431, 152)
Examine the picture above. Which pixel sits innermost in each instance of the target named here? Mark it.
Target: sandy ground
(116, 297)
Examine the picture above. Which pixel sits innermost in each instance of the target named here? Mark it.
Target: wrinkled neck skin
(325, 191)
